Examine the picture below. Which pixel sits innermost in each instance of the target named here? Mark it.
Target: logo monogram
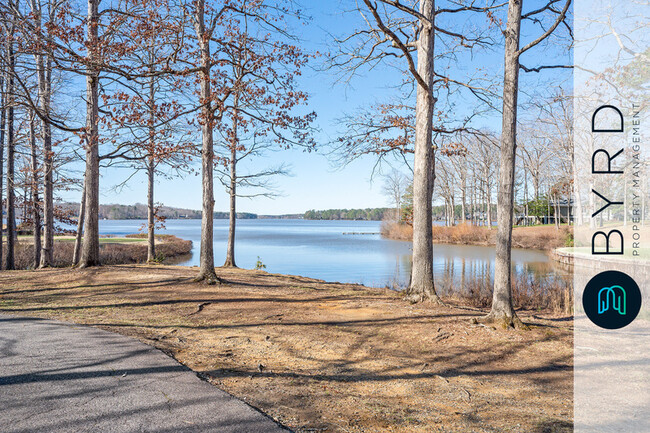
(611, 299)
(617, 296)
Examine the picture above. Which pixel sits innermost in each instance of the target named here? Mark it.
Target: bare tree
(502, 308)
(460, 165)
(396, 30)
(10, 62)
(204, 34)
(395, 185)
(44, 75)
(251, 124)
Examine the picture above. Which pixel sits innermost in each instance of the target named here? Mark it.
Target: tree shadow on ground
(553, 426)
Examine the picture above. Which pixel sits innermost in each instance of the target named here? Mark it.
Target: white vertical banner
(612, 232)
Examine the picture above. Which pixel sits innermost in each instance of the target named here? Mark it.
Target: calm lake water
(343, 251)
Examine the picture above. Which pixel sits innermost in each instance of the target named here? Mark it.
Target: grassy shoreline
(321, 356)
(130, 249)
(545, 238)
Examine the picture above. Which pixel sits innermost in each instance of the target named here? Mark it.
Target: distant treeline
(139, 211)
(370, 214)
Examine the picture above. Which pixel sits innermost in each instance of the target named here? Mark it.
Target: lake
(343, 251)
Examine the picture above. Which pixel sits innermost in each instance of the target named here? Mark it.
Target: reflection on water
(345, 251)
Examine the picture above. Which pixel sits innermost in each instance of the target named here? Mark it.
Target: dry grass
(551, 293)
(167, 246)
(540, 237)
(396, 231)
(323, 357)
(465, 234)
(536, 237)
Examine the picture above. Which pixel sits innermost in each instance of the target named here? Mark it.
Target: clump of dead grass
(396, 230)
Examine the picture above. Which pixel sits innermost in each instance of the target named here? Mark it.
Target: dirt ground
(325, 357)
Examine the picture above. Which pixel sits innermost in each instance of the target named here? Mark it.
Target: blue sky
(317, 181)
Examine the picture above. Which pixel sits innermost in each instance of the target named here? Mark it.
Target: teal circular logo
(612, 299)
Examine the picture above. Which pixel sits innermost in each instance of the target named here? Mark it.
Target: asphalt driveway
(61, 377)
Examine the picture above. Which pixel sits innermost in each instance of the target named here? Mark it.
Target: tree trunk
(36, 208)
(11, 199)
(47, 255)
(3, 122)
(463, 192)
(446, 212)
(151, 223)
(80, 227)
(488, 199)
(525, 197)
(422, 287)
(502, 309)
(44, 76)
(206, 269)
(230, 253)
(472, 206)
(453, 211)
(90, 245)
(151, 168)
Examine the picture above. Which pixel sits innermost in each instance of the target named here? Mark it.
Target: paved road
(60, 377)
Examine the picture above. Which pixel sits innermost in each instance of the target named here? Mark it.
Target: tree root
(501, 320)
(200, 308)
(209, 278)
(418, 297)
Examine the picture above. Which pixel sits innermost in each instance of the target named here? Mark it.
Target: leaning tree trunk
(502, 309)
(90, 245)
(80, 228)
(11, 198)
(36, 208)
(421, 287)
(206, 269)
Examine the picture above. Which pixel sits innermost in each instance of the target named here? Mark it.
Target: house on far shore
(564, 209)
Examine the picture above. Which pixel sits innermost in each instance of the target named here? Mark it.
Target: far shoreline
(542, 238)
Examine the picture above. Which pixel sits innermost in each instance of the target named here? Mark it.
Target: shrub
(397, 231)
(259, 265)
